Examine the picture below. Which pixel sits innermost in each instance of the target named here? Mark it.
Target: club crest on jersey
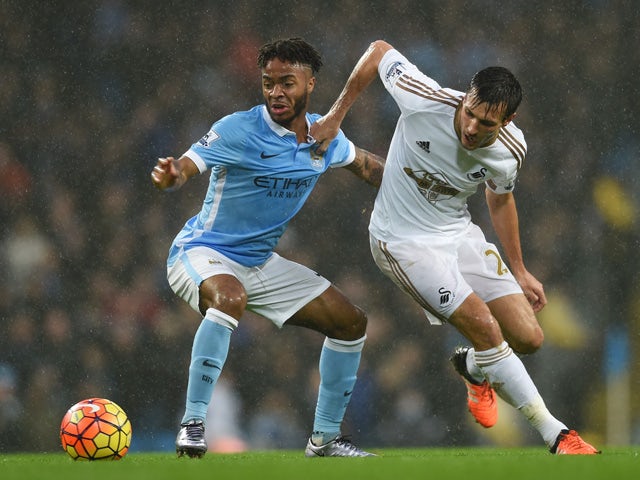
(317, 161)
(209, 138)
(432, 186)
(478, 174)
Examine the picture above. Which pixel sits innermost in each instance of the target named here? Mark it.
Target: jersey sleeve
(513, 148)
(344, 152)
(505, 182)
(409, 87)
(221, 145)
(499, 186)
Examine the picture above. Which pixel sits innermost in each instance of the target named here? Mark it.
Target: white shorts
(275, 290)
(439, 274)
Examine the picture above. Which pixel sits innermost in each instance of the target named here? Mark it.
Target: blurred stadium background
(92, 92)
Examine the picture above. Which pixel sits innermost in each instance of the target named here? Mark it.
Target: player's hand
(324, 131)
(165, 173)
(533, 290)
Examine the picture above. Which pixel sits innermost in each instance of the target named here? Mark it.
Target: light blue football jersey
(260, 178)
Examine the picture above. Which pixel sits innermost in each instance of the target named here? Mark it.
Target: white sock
(541, 419)
(507, 375)
(472, 367)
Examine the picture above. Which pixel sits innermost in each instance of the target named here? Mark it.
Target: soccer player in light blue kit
(263, 166)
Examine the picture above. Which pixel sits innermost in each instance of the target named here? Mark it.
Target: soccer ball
(95, 429)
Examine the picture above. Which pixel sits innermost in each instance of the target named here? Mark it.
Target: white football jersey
(428, 173)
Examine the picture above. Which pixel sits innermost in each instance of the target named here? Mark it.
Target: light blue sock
(339, 362)
(209, 352)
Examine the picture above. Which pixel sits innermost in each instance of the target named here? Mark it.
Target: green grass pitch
(431, 463)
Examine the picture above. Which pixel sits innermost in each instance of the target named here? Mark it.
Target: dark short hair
(497, 87)
(293, 50)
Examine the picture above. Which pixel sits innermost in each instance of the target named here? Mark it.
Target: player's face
(286, 88)
(477, 125)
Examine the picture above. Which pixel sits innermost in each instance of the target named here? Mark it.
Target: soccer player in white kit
(445, 145)
(263, 166)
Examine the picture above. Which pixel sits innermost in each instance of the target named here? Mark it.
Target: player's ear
(311, 83)
(508, 120)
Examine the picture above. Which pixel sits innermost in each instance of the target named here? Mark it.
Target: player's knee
(529, 344)
(486, 333)
(360, 322)
(232, 303)
(229, 297)
(352, 326)
(479, 327)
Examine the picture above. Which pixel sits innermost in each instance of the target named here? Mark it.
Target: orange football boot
(481, 398)
(570, 443)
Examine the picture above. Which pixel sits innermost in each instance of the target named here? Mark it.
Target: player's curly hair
(497, 87)
(294, 50)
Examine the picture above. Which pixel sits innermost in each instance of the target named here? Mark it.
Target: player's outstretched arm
(170, 173)
(326, 128)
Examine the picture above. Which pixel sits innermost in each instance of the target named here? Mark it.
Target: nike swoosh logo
(264, 155)
(209, 363)
(348, 392)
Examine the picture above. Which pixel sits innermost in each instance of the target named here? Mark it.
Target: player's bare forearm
(368, 166)
(361, 77)
(504, 217)
(326, 129)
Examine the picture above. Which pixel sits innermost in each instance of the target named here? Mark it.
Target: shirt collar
(279, 129)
